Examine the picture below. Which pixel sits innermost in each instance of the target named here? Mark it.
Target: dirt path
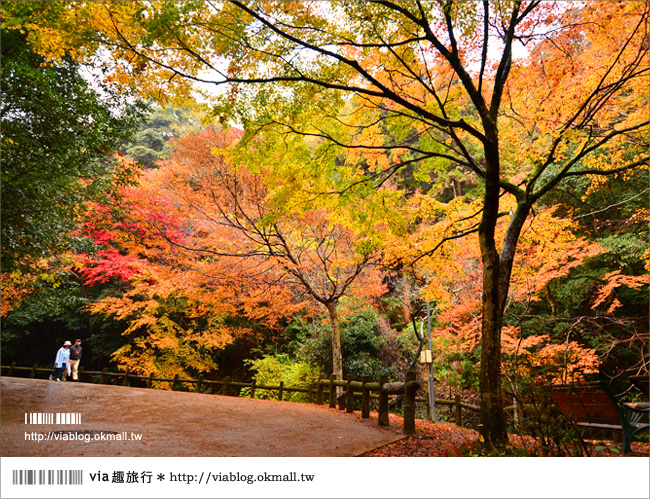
(175, 424)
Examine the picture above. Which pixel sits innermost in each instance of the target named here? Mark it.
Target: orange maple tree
(233, 216)
(179, 307)
(548, 250)
(199, 242)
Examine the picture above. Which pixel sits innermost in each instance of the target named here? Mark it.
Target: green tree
(152, 143)
(364, 348)
(58, 137)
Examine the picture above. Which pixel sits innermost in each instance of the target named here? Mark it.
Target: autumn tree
(233, 213)
(177, 308)
(549, 252)
(442, 72)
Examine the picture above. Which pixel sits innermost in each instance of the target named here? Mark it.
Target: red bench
(594, 406)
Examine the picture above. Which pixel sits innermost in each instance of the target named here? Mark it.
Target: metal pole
(432, 394)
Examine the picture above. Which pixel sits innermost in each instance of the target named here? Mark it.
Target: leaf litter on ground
(443, 439)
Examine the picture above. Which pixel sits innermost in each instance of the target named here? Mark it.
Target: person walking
(75, 358)
(61, 361)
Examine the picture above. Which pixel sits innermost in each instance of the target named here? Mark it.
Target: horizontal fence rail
(322, 391)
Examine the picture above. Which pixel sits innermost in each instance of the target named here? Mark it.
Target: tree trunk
(493, 425)
(337, 356)
(497, 269)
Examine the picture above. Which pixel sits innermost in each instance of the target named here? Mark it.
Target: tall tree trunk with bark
(337, 355)
(497, 269)
(493, 426)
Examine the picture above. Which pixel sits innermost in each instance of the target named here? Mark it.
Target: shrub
(361, 343)
(270, 370)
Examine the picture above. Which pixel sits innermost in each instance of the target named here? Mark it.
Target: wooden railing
(364, 389)
(124, 378)
(324, 390)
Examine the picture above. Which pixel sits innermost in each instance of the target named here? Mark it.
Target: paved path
(175, 423)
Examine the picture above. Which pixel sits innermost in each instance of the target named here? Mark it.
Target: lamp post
(429, 360)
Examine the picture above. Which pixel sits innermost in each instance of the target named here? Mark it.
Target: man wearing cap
(75, 357)
(61, 361)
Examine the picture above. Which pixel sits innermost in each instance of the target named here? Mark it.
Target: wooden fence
(323, 391)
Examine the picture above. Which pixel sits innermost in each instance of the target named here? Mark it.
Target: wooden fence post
(150, 380)
(349, 395)
(332, 391)
(33, 373)
(102, 379)
(175, 382)
(125, 381)
(280, 391)
(224, 388)
(383, 419)
(408, 404)
(11, 369)
(319, 391)
(253, 389)
(459, 420)
(365, 398)
(199, 383)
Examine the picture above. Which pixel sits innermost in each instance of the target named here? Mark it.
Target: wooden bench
(594, 406)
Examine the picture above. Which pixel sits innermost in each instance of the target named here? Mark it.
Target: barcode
(53, 418)
(48, 477)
